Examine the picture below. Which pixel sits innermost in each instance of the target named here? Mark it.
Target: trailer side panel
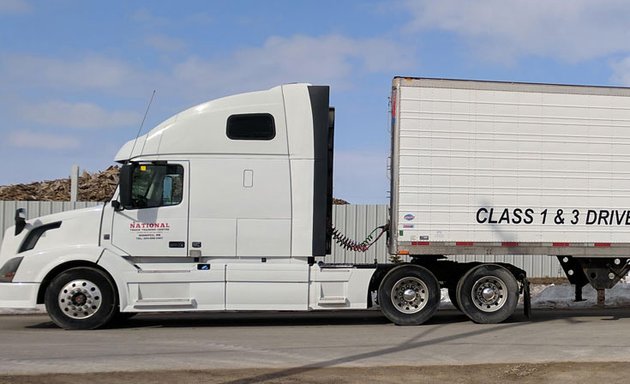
(487, 167)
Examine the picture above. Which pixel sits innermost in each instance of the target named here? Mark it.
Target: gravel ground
(575, 373)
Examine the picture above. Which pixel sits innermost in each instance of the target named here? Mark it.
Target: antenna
(142, 124)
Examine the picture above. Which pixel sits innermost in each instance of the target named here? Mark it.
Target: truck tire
(409, 295)
(488, 294)
(452, 294)
(81, 298)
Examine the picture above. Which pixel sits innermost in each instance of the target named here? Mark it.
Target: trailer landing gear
(602, 273)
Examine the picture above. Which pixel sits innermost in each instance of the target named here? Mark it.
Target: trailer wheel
(488, 294)
(81, 298)
(409, 295)
(452, 294)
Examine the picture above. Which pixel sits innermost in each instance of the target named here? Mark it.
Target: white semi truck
(227, 206)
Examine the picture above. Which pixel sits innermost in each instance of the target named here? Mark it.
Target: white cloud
(35, 140)
(78, 115)
(328, 59)
(621, 72)
(571, 30)
(146, 17)
(165, 43)
(361, 176)
(89, 71)
(201, 18)
(14, 6)
(333, 59)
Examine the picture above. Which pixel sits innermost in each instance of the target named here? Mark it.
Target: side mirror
(126, 175)
(117, 206)
(20, 220)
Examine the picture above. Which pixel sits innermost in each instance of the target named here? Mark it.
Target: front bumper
(18, 295)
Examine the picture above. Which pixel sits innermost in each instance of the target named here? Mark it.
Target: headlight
(7, 272)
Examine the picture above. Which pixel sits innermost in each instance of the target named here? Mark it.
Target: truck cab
(224, 206)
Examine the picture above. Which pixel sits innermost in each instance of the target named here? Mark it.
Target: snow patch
(23, 311)
(563, 296)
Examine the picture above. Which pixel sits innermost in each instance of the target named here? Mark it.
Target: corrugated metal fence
(355, 221)
(35, 209)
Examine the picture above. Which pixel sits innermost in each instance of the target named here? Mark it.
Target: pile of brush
(97, 186)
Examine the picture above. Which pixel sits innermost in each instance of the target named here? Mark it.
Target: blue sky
(76, 76)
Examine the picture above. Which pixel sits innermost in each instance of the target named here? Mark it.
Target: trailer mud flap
(527, 300)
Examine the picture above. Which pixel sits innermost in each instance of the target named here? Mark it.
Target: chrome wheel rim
(489, 294)
(80, 299)
(409, 295)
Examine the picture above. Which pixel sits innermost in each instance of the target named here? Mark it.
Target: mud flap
(527, 300)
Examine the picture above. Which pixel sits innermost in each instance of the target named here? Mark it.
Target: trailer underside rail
(591, 250)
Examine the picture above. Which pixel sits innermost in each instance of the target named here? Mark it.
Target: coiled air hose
(352, 245)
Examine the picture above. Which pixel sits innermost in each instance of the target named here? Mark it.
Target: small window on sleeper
(252, 126)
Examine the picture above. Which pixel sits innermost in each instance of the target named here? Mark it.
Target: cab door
(155, 221)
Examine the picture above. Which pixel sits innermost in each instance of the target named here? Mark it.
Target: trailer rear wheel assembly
(81, 298)
(452, 294)
(409, 295)
(488, 294)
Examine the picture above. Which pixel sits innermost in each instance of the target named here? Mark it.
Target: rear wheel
(488, 294)
(81, 298)
(409, 295)
(452, 294)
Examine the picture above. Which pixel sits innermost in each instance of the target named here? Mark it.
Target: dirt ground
(602, 372)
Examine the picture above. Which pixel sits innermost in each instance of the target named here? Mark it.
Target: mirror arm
(117, 206)
(20, 220)
(125, 181)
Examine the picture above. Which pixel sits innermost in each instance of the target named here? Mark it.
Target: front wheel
(409, 295)
(81, 298)
(488, 294)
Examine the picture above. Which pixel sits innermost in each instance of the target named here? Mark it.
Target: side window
(252, 126)
(157, 185)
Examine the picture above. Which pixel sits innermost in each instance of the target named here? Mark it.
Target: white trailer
(227, 206)
(495, 168)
